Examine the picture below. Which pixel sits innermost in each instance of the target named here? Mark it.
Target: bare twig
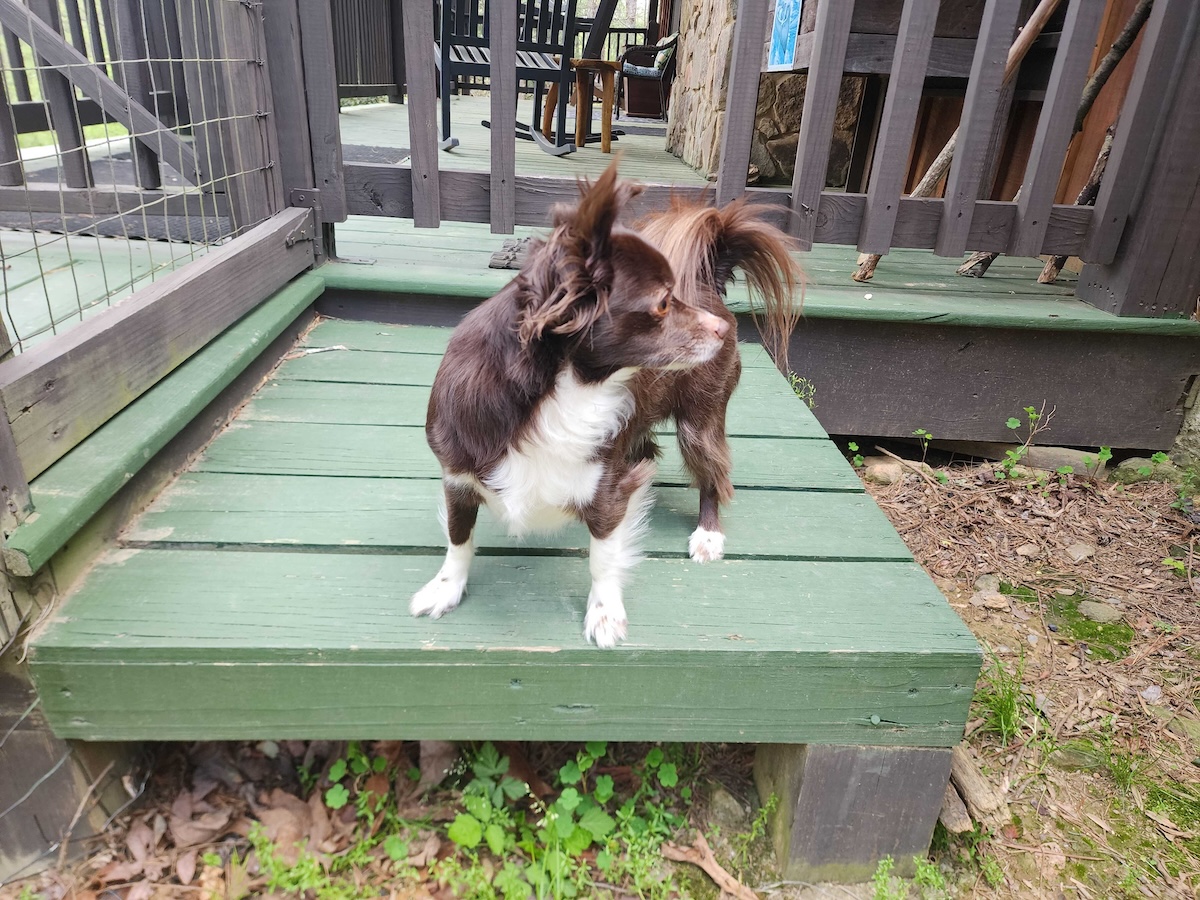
(1087, 197)
(700, 854)
(909, 463)
(83, 801)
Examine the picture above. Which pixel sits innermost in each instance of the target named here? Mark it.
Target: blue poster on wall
(783, 35)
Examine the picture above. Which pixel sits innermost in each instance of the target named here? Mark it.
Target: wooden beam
(320, 87)
(90, 79)
(422, 113)
(816, 123)
(59, 392)
(136, 79)
(742, 99)
(1055, 125)
(503, 36)
(1142, 118)
(897, 125)
(842, 809)
(15, 502)
(10, 152)
(281, 29)
(872, 54)
(976, 128)
(50, 198)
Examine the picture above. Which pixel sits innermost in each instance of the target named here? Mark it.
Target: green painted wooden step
(265, 593)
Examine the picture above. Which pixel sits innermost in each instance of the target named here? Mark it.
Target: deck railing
(882, 217)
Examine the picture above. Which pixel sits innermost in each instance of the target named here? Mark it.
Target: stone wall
(777, 127)
(697, 113)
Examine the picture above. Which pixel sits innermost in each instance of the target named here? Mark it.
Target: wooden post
(281, 29)
(422, 113)
(744, 71)
(816, 122)
(15, 502)
(135, 78)
(16, 64)
(60, 97)
(397, 47)
(10, 153)
(503, 29)
(321, 90)
(1156, 271)
(844, 808)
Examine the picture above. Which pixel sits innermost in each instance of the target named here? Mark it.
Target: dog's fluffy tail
(706, 245)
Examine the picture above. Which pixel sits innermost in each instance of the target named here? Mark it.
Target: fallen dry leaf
(287, 822)
(436, 759)
(201, 830)
(119, 870)
(321, 828)
(427, 854)
(185, 867)
(139, 840)
(140, 891)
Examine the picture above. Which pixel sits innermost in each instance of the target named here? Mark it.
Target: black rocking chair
(545, 41)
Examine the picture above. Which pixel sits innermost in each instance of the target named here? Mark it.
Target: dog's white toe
(605, 624)
(438, 597)
(706, 546)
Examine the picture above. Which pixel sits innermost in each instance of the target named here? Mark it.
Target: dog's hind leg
(706, 454)
(616, 520)
(445, 591)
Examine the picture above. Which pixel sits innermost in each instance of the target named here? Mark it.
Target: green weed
(1003, 700)
(804, 389)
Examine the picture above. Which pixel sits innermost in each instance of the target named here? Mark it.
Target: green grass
(111, 131)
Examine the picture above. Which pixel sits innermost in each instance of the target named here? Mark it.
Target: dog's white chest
(553, 471)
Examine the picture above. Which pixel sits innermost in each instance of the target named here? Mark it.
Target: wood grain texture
(503, 88)
(707, 643)
(381, 515)
(829, 826)
(135, 75)
(742, 99)
(284, 55)
(872, 54)
(78, 485)
(75, 68)
(101, 201)
(15, 501)
(59, 392)
(897, 125)
(10, 153)
(1055, 126)
(980, 109)
(422, 115)
(320, 89)
(1150, 91)
(44, 36)
(816, 123)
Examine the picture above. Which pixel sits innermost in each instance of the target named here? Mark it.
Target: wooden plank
(52, 198)
(503, 86)
(15, 501)
(71, 492)
(382, 515)
(60, 392)
(832, 643)
(281, 33)
(872, 54)
(92, 81)
(742, 99)
(816, 123)
(828, 825)
(43, 32)
(10, 153)
(897, 125)
(16, 65)
(422, 115)
(136, 78)
(1055, 126)
(320, 87)
(379, 451)
(977, 126)
(1150, 91)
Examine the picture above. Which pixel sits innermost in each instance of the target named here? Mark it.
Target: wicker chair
(645, 78)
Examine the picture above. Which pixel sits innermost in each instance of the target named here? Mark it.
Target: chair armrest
(640, 55)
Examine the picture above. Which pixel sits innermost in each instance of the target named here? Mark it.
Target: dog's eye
(660, 308)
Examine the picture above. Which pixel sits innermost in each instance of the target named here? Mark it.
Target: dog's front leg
(705, 452)
(445, 591)
(616, 520)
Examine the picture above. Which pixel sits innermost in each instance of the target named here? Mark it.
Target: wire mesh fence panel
(134, 136)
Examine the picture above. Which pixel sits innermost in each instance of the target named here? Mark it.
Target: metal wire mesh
(93, 208)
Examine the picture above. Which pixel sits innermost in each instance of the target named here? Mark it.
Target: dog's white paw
(605, 624)
(706, 546)
(438, 597)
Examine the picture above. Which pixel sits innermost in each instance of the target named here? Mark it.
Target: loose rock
(987, 584)
(1054, 458)
(1138, 468)
(1099, 612)
(1027, 550)
(1152, 694)
(882, 470)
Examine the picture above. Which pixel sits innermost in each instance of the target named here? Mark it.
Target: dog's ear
(569, 283)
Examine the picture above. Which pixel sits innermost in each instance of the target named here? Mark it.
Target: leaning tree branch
(977, 263)
(941, 163)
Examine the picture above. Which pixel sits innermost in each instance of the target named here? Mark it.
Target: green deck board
(298, 448)
(71, 491)
(910, 286)
(321, 644)
(400, 516)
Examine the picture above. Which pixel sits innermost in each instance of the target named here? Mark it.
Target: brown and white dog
(543, 404)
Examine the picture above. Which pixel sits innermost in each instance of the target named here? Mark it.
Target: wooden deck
(265, 593)
(643, 156)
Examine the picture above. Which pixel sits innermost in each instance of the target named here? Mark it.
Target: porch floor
(643, 156)
(264, 594)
